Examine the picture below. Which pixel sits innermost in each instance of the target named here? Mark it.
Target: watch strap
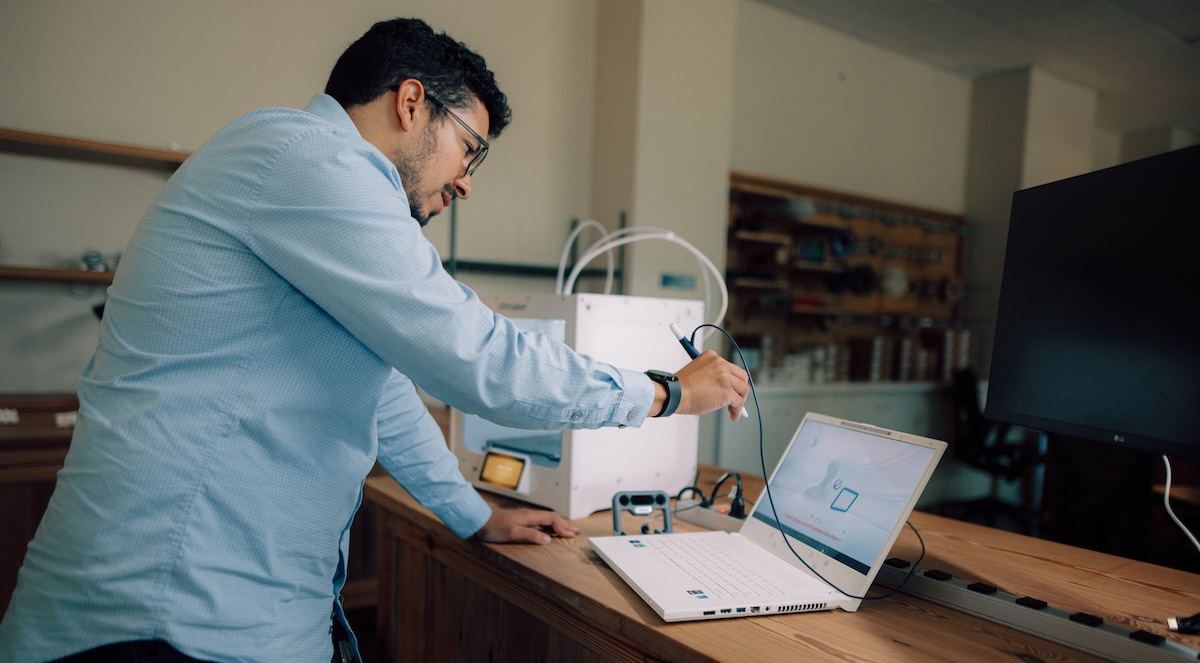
(674, 392)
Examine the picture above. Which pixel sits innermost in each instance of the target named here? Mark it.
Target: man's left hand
(525, 526)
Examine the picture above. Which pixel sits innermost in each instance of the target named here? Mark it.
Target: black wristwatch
(674, 391)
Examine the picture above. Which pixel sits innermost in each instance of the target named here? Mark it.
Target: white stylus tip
(676, 330)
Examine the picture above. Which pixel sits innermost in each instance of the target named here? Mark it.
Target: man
(258, 353)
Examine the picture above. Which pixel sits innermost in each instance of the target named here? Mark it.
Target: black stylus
(692, 351)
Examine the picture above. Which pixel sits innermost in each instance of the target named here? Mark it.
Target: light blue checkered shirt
(244, 386)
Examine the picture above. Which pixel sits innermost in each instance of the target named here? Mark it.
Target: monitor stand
(1100, 497)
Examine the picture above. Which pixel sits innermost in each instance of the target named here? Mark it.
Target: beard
(409, 166)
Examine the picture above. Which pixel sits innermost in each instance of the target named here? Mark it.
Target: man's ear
(410, 104)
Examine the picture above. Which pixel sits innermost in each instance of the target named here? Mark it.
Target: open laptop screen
(841, 491)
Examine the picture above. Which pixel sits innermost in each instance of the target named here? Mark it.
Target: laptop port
(726, 611)
(710, 612)
(754, 610)
(741, 610)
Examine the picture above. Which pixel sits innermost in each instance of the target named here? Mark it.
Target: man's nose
(462, 186)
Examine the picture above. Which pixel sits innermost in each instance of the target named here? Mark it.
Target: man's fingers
(525, 526)
(529, 535)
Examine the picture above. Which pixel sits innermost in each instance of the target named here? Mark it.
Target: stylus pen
(692, 351)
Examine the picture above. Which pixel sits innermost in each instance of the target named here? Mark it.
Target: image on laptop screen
(841, 491)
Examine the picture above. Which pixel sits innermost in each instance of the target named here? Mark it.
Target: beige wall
(1028, 127)
(159, 74)
(684, 115)
(640, 106)
(819, 107)
(1060, 129)
(1141, 144)
(162, 73)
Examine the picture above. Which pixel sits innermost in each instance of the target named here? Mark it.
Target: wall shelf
(869, 289)
(78, 149)
(516, 269)
(454, 265)
(46, 275)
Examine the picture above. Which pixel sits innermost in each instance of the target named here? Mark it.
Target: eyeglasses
(476, 153)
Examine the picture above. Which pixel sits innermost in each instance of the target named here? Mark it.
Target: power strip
(691, 511)
(1078, 630)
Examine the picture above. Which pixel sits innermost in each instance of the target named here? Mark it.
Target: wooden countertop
(567, 585)
(34, 448)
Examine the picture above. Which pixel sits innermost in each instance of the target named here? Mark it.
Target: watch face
(661, 375)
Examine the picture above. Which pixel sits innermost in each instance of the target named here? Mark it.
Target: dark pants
(134, 651)
(158, 651)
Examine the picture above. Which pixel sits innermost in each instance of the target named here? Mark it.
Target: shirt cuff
(469, 516)
(636, 401)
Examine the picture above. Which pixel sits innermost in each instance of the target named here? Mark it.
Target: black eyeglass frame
(476, 160)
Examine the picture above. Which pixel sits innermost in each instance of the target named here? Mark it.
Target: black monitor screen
(1098, 328)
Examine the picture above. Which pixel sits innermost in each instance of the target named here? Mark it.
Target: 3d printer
(577, 472)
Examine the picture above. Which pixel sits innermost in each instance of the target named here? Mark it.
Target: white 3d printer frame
(593, 465)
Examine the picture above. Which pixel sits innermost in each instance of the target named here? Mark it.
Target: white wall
(1060, 129)
(1106, 149)
(816, 106)
(1146, 143)
(642, 106)
(1028, 127)
(154, 73)
(683, 122)
(158, 74)
(634, 105)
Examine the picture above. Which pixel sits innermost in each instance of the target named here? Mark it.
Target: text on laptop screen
(841, 491)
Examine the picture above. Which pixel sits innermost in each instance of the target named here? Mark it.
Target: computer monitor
(1098, 328)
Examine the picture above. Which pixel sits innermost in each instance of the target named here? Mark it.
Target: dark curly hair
(403, 48)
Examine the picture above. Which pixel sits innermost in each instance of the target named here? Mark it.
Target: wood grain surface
(443, 598)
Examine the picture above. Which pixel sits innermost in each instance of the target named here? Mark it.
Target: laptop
(842, 491)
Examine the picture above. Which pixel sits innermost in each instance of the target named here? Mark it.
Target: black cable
(762, 459)
(646, 525)
(737, 507)
(725, 477)
(695, 491)
(1185, 624)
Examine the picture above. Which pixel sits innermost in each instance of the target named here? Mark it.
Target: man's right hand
(710, 382)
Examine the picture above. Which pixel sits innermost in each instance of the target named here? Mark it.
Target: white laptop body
(843, 491)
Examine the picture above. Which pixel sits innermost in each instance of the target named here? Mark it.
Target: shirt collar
(328, 108)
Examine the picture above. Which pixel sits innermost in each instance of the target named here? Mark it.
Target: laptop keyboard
(718, 574)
